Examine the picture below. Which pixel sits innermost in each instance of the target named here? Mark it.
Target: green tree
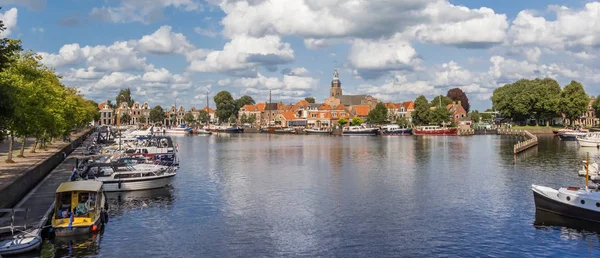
(157, 114)
(225, 105)
(457, 95)
(125, 118)
(574, 101)
(244, 118)
(421, 114)
(439, 115)
(514, 100)
(440, 100)
(232, 119)
(378, 115)
(142, 119)
(403, 122)
(310, 100)
(251, 119)
(203, 117)
(545, 99)
(596, 106)
(486, 116)
(8, 50)
(475, 116)
(243, 100)
(189, 118)
(125, 95)
(342, 121)
(97, 112)
(111, 105)
(357, 121)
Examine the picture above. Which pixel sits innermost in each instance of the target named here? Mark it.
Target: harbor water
(258, 195)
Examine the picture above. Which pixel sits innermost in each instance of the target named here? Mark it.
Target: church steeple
(336, 85)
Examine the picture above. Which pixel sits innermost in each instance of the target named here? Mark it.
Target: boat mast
(587, 169)
(269, 122)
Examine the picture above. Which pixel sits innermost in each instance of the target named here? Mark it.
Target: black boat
(573, 202)
(395, 130)
(231, 130)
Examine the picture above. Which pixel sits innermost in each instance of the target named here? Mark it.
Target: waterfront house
(211, 114)
(406, 109)
(249, 110)
(361, 111)
(457, 111)
(319, 119)
(106, 114)
(289, 119)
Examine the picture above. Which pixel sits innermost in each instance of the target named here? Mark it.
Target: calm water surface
(256, 195)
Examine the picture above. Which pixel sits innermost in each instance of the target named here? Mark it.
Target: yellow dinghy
(80, 208)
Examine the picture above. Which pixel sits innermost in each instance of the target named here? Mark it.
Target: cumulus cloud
(10, 21)
(143, 11)
(164, 41)
(245, 53)
(372, 58)
(299, 71)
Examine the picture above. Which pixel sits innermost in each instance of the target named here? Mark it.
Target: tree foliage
(378, 115)
(125, 95)
(189, 118)
(574, 101)
(457, 94)
(356, 121)
(125, 118)
(475, 116)
(225, 105)
(441, 100)
(157, 114)
(310, 100)
(244, 100)
(596, 106)
(342, 121)
(403, 122)
(421, 114)
(142, 119)
(439, 115)
(203, 117)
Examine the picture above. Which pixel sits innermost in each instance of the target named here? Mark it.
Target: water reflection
(72, 246)
(121, 202)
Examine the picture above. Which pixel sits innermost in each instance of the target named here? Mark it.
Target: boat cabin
(78, 203)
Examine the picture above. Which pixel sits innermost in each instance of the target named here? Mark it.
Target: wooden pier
(465, 132)
(531, 139)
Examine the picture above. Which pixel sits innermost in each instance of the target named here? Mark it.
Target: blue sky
(177, 50)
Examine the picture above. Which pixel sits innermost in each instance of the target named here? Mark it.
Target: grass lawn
(535, 127)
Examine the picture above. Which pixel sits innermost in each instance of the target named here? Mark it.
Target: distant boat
(202, 131)
(175, 130)
(571, 136)
(590, 140)
(285, 131)
(233, 129)
(395, 130)
(318, 131)
(360, 131)
(434, 130)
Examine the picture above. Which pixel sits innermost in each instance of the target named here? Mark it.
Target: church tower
(336, 86)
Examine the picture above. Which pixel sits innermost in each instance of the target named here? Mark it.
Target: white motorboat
(589, 140)
(318, 131)
(123, 177)
(360, 131)
(594, 169)
(573, 202)
(202, 131)
(16, 238)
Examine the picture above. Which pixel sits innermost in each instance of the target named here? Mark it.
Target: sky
(177, 51)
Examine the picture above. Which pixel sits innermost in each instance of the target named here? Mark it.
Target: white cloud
(67, 55)
(82, 74)
(10, 21)
(371, 58)
(573, 30)
(163, 41)
(243, 53)
(290, 88)
(206, 32)
(143, 11)
(298, 71)
(38, 30)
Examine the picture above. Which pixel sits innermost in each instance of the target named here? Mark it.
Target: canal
(256, 195)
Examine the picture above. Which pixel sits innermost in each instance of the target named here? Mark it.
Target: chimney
(459, 103)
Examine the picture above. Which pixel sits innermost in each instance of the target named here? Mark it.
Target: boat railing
(13, 224)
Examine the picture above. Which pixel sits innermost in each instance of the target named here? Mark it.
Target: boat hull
(398, 132)
(588, 143)
(373, 132)
(231, 130)
(19, 245)
(77, 230)
(449, 131)
(310, 132)
(544, 203)
(138, 184)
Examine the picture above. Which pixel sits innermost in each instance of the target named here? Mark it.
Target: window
(322, 115)
(314, 115)
(334, 114)
(342, 114)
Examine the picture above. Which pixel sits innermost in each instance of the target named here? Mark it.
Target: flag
(74, 175)
(71, 220)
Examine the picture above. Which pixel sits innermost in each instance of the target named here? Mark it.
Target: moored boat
(126, 177)
(574, 202)
(360, 131)
(285, 131)
(202, 131)
(17, 237)
(589, 140)
(395, 130)
(434, 130)
(571, 136)
(19, 245)
(233, 129)
(317, 131)
(80, 208)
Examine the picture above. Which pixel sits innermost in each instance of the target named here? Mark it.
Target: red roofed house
(211, 115)
(339, 112)
(361, 111)
(251, 110)
(319, 119)
(406, 109)
(286, 119)
(457, 111)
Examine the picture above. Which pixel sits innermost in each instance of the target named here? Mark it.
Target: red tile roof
(324, 107)
(408, 105)
(208, 110)
(362, 110)
(250, 108)
(260, 107)
(341, 107)
(389, 105)
(288, 115)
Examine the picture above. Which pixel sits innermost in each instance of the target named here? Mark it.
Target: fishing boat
(434, 130)
(232, 129)
(285, 131)
(16, 237)
(395, 130)
(80, 208)
(571, 136)
(360, 131)
(127, 177)
(317, 131)
(589, 140)
(573, 202)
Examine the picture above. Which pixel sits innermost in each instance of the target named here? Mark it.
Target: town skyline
(165, 50)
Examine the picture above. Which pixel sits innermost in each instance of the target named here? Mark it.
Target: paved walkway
(9, 172)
